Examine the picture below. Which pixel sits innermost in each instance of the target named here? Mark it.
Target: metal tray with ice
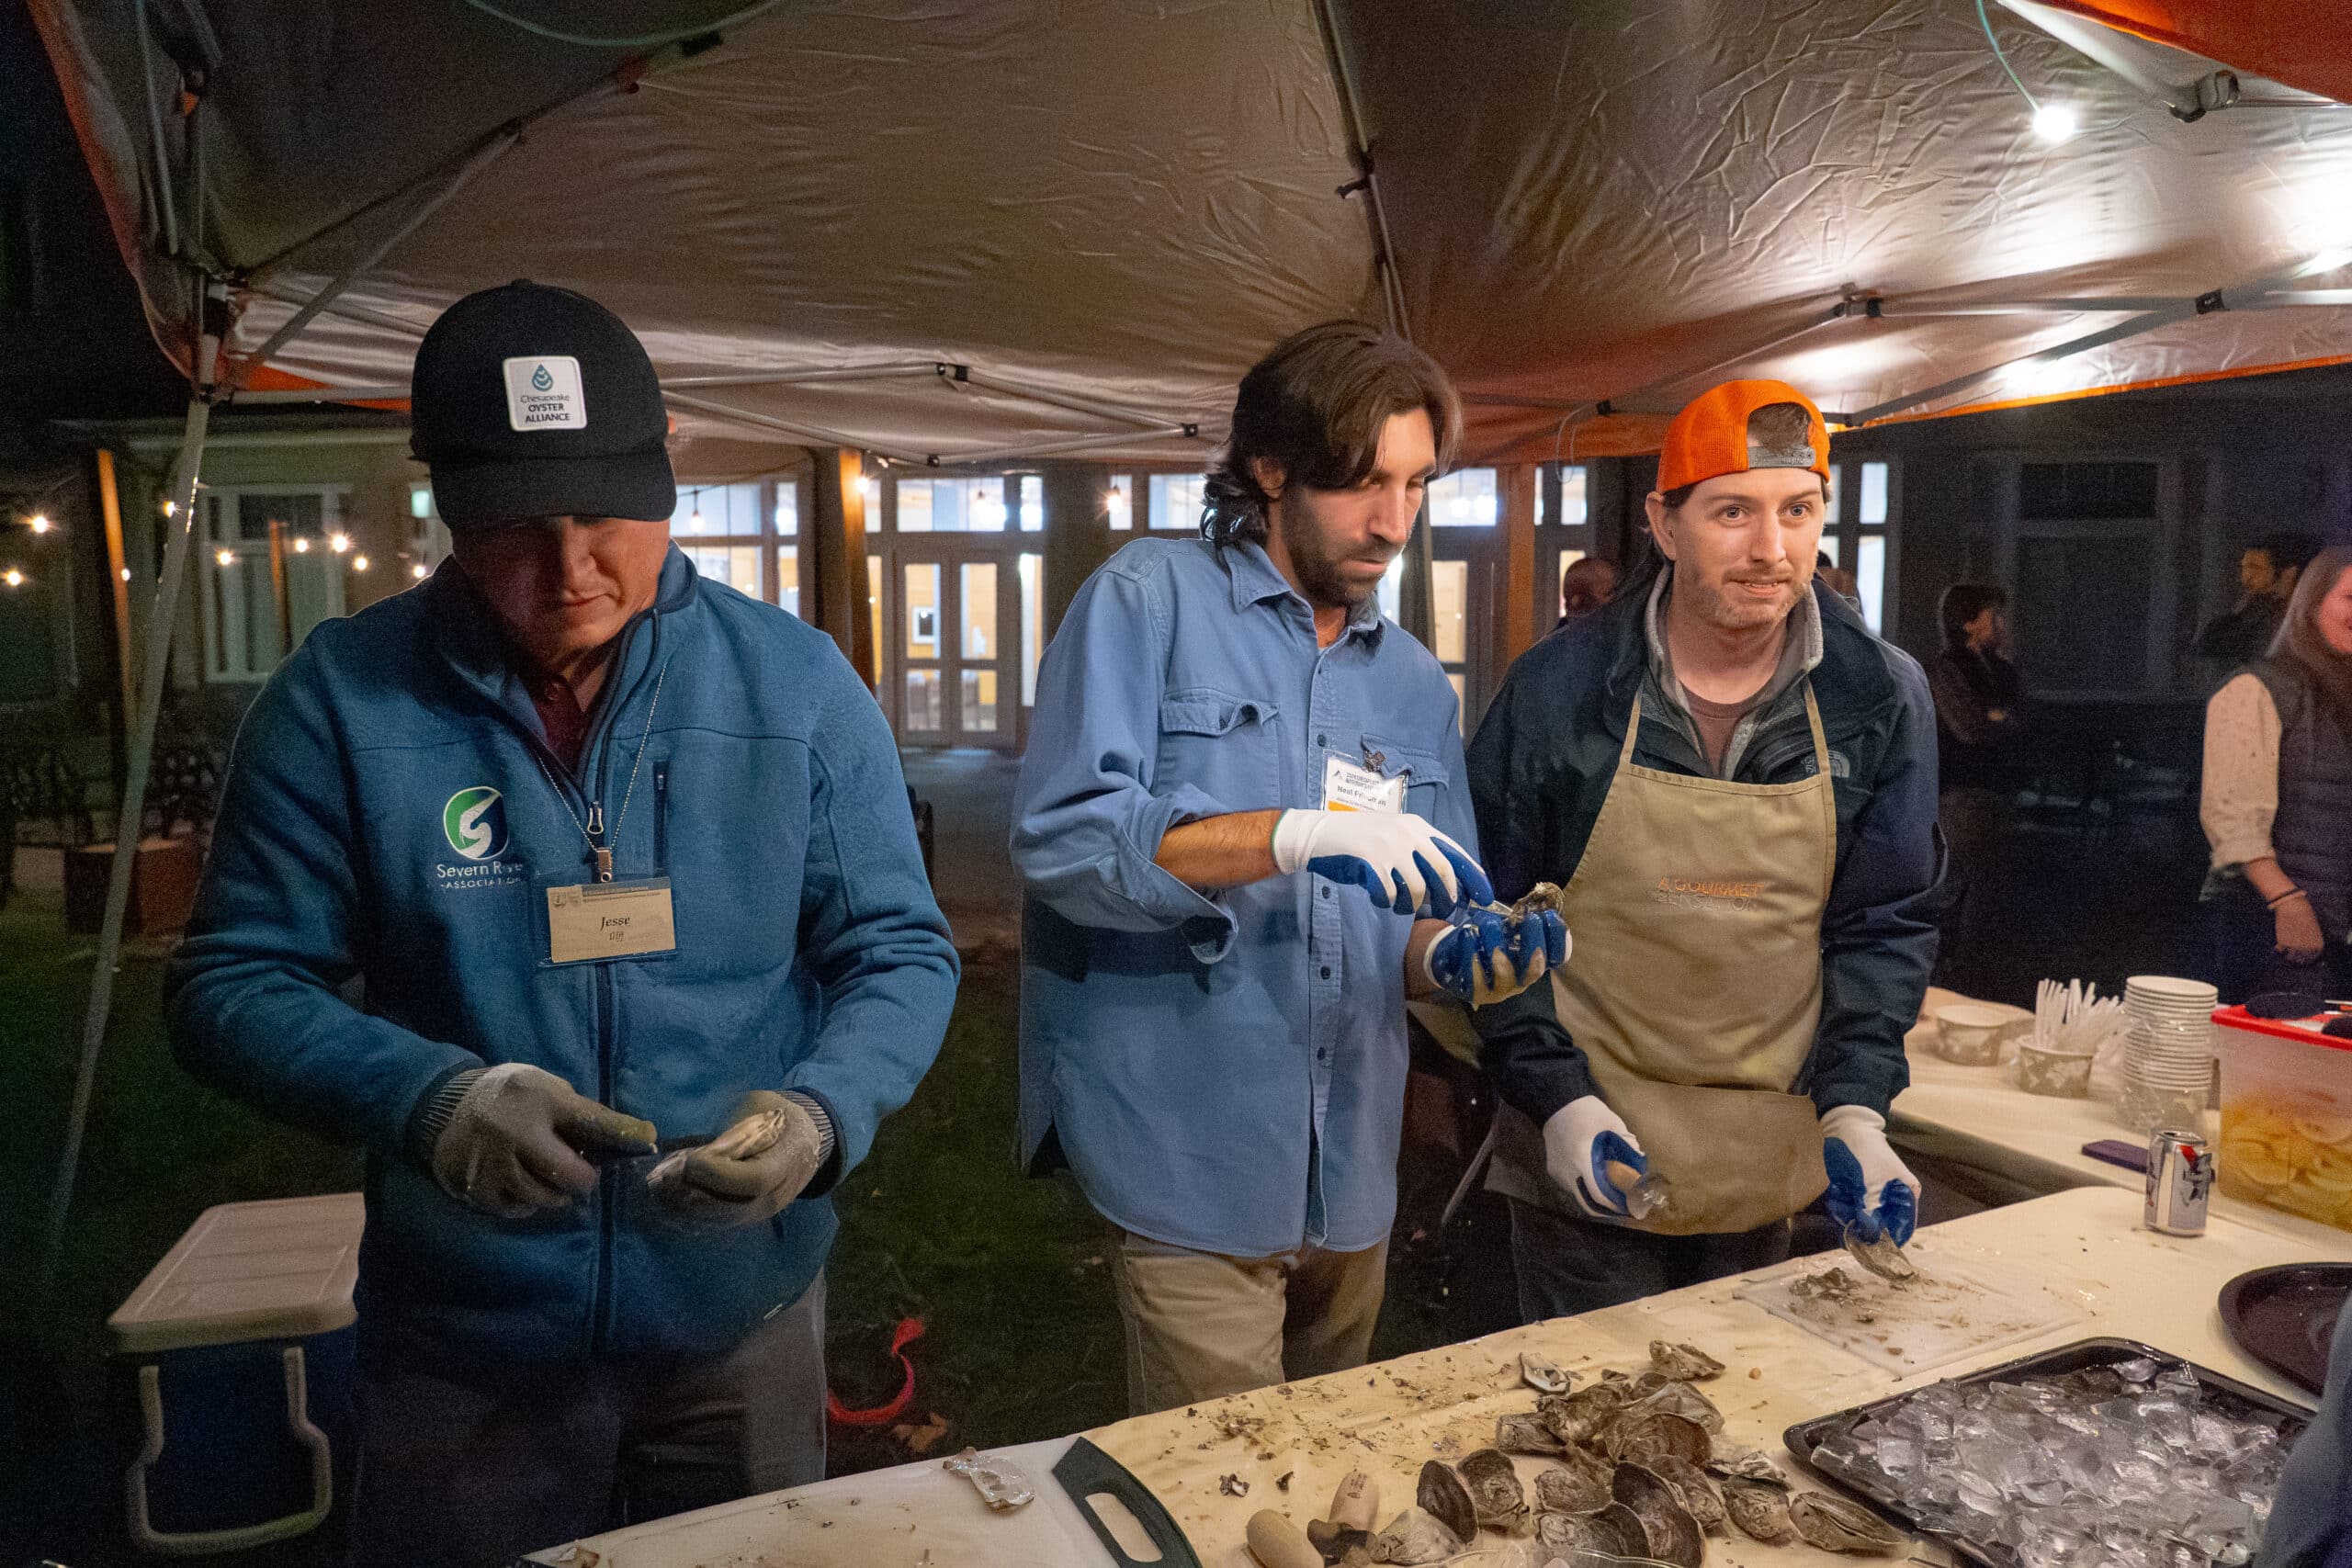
(2019, 1521)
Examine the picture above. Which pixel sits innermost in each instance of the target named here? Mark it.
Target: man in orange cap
(1735, 781)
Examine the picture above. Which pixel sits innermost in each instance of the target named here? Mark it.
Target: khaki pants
(1200, 1326)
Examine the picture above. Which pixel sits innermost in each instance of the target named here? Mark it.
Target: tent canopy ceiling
(1106, 210)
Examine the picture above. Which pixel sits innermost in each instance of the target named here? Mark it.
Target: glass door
(957, 651)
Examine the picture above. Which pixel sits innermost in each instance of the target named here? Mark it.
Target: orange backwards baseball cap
(1716, 433)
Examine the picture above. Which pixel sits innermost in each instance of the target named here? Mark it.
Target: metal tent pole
(161, 620)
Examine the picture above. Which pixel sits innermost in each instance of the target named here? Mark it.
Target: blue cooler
(234, 1376)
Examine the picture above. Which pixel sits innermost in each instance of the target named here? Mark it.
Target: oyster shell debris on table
(1643, 1434)
(1579, 1484)
(1835, 1525)
(1761, 1512)
(1526, 1434)
(1496, 1494)
(1416, 1536)
(1613, 1531)
(1674, 1536)
(1543, 1374)
(1698, 1492)
(1683, 1363)
(1445, 1499)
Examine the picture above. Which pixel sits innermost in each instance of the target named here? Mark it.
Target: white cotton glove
(1582, 1137)
(1486, 958)
(768, 1155)
(1404, 863)
(1870, 1187)
(514, 1144)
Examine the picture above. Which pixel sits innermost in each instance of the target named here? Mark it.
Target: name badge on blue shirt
(1349, 786)
(610, 919)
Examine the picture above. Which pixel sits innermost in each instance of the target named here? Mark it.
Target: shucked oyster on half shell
(1760, 1512)
(1835, 1525)
(1681, 1399)
(1645, 1434)
(1443, 1495)
(1496, 1495)
(1683, 1363)
(1578, 1485)
(1414, 1537)
(1674, 1536)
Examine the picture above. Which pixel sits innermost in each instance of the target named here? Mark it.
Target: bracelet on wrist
(2291, 894)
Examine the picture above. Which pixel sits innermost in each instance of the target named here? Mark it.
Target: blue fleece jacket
(373, 919)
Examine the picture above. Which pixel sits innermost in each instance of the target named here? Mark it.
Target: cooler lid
(2303, 1031)
(280, 1269)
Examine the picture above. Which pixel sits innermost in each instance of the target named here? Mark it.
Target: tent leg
(134, 793)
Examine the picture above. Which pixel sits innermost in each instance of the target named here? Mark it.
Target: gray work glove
(512, 1145)
(747, 1174)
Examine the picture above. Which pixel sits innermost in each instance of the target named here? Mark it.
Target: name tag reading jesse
(610, 919)
(1348, 788)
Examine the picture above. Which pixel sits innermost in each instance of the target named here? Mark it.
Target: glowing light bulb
(171, 509)
(2054, 123)
(40, 524)
(126, 574)
(417, 571)
(224, 558)
(338, 543)
(359, 563)
(13, 578)
(1116, 500)
(868, 489)
(302, 544)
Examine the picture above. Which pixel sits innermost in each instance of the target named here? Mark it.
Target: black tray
(2285, 1317)
(1806, 1436)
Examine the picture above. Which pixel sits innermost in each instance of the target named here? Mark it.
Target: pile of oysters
(1640, 1470)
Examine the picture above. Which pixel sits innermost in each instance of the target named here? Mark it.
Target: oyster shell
(1413, 1537)
(1699, 1495)
(1526, 1434)
(1496, 1495)
(1681, 1399)
(1760, 1512)
(1543, 1374)
(1835, 1525)
(1673, 1534)
(1645, 1434)
(1441, 1494)
(1614, 1531)
(1683, 1363)
(1580, 1416)
(1747, 1464)
(1339, 1543)
(1578, 1485)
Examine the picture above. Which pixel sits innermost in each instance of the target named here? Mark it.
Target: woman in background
(2276, 802)
(1978, 703)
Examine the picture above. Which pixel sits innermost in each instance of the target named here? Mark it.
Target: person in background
(1245, 838)
(2276, 802)
(1585, 587)
(1979, 702)
(1734, 784)
(2267, 573)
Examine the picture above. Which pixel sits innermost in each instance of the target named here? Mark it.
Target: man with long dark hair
(1979, 713)
(1735, 781)
(1241, 827)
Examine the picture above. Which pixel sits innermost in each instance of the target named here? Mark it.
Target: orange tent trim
(2303, 43)
(269, 379)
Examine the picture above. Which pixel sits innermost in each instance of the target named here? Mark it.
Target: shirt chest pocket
(1425, 773)
(1221, 743)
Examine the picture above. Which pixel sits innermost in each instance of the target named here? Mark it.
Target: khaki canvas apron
(1695, 988)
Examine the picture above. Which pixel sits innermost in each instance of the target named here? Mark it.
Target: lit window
(716, 511)
(1873, 508)
(787, 577)
(420, 500)
(1573, 513)
(1032, 503)
(787, 507)
(1464, 498)
(1033, 626)
(1176, 500)
(914, 507)
(1870, 578)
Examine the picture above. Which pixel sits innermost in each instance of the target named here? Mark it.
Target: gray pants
(1568, 1265)
(471, 1469)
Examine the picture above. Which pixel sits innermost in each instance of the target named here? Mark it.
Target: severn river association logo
(475, 823)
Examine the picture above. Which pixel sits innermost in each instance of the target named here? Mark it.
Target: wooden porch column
(1515, 513)
(1078, 533)
(835, 597)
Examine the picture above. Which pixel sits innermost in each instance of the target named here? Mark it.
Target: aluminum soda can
(2180, 1178)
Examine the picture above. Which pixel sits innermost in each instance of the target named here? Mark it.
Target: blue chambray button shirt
(1224, 1073)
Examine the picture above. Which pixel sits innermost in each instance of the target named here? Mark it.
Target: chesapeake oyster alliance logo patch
(542, 392)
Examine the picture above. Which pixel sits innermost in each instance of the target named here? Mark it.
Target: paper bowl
(2065, 1075)
(1971, 1034)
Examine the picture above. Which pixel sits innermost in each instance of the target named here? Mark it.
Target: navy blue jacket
(1541, 763)
(355, 845)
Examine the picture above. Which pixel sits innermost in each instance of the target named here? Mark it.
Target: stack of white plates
(2168, 1055)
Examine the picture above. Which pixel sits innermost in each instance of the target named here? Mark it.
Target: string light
(171, 509)
(359, 563)
(39, 523)
(338, 542)
(126, 574)
(417, 571)
(224, 558)
(2055, 122)
(868, 488)
(302, 544)
(13, 578)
